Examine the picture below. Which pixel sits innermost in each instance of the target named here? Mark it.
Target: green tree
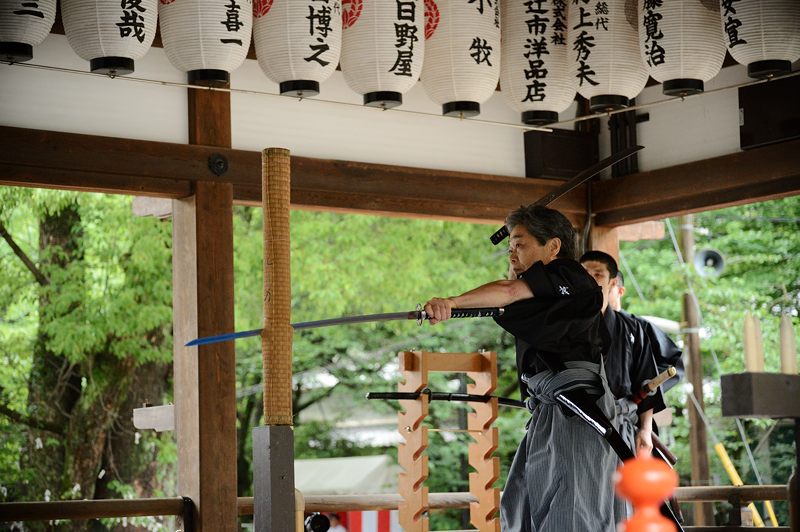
(85, 338)
(761, 246)
(357, 264)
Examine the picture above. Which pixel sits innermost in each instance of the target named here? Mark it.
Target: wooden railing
(182, 507)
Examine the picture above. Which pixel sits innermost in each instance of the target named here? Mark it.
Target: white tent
(345, 476)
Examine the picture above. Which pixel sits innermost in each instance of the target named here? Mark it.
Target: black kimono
(629, 363)
(561, 476)
(665, 352)
(630, 359)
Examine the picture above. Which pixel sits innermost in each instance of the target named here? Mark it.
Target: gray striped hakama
(626, 423)
(561, 479)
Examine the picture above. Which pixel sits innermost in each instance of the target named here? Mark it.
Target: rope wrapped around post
(276, 340)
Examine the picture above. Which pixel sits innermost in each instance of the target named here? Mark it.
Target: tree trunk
(88, 402)
(55, 385)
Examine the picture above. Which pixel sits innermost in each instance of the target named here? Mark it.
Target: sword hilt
(499, 235)
(489, 312)
(650, 386)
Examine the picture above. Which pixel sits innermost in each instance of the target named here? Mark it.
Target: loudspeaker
(709, 263)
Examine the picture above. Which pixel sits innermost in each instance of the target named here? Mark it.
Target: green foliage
(116, 300)
(761, 246)
(107, 299)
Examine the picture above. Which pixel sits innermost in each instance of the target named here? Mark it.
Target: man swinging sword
(561, 476)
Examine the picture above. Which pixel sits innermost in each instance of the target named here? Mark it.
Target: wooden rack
(481, 367)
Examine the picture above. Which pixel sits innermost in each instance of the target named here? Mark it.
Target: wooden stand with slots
(482, 369)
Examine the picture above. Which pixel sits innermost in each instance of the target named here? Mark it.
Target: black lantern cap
(539, 118)
(299, 88)
(15, 52)
(461, 109)
(383, 99)
(769, 68)
(209, 77)
(682, 87)
(113, 66)
(608, 102)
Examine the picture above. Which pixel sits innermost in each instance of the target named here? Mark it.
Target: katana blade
(576, 181)
(418, 315)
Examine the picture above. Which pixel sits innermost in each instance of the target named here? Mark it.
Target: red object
(261, 7)
(351, 10)
(431, 18)
(371, 521)
(646, 482)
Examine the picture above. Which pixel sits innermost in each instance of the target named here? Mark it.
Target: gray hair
(543, 224)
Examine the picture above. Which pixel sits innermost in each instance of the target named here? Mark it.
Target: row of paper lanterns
(552, 49)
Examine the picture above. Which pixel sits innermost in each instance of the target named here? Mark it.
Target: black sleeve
(643, 367)
(665, 352)
(630, 361)
(562, 315)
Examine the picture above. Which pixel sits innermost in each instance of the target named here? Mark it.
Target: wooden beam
(754, 175)
(51, 159)
(205, 377)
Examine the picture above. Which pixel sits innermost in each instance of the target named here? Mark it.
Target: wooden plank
(652, 230)
(205, 378)
(452, 362)
(91, 509)
(390, 501)
(760, 174)
(71, 161)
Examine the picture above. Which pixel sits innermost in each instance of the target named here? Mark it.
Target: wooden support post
(411, 453)
(604, 238)
(483, 514)
(273, 444)
(205, 377)
(698, 438)
(482, 369)
(794, 482)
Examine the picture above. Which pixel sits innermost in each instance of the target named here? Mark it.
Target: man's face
(524, 250)
(601, 275)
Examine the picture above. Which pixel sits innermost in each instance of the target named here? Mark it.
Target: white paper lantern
(23, 25)
(206, 38)
(383, 46)
(298, 42)
(680, 44)
(535, 69)
(110, 34)
(605, 52)
(762, 34)
(462, 54)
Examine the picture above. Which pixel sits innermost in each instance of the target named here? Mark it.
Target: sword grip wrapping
(499, 235)
(659, 447)
(476, 312)
(393, 395)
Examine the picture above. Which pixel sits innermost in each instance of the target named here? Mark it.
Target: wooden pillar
(604, 238)
(698, 439)
(205, 378)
